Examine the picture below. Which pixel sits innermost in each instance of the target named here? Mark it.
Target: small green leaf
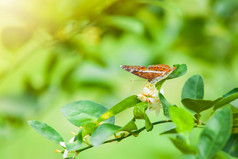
(46, 131)
(148, 124)
(182, 119)
(180, 70)
(170, 131)
(73, 145)
(102, 133)
(123, 105)
(227, 98)
(165, 104)
(89, 128)
(223, 155)
(76, 144)
(82, 112)
(159, 84)
(129, 126)
(139, 110)
(197, 116)
(193, 88)
(231, 146)
(183, 146)
(139, 113)
(216, 133)
(234, 90)
(198, 105)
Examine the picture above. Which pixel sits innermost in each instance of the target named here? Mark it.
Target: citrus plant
(96, 122)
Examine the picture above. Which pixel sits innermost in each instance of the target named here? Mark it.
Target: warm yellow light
(6, 3)
(11, 5)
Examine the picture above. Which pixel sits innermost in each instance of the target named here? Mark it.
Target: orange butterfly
(153, 73)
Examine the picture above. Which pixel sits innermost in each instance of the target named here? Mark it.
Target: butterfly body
(153, 73)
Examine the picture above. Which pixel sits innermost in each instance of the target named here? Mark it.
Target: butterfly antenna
(135, 80)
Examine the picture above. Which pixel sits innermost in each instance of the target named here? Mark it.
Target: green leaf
(139, 110)
(46, 131)
(139, 113)
(80, 113)
(159, 84)
(183, 146)
(231, 146)
(216, 133)
(182, 119)
(223, 155)
(193, 88)
(88, 129)
(180, 70)
(123, 105)
(189, 157)
(102, 133)
(198, 105)
(76, 144)
(129, 126)
(148, 124)
(234, 90)
(73, 145)
(165, 105)
(227, 98)
(170, 131)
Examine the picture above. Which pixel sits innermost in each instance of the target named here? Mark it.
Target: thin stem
(121, 138)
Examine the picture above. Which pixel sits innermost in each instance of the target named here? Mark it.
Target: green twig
(121, 138)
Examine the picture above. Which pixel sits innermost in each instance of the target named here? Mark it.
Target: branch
(121, 138)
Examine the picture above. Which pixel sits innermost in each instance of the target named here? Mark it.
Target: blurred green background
(53, 52)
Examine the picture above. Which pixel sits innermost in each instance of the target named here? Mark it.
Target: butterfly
(153, 73)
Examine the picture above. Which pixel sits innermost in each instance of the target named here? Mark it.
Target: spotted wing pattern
(160, 67)
(153, 71)
(137, 70)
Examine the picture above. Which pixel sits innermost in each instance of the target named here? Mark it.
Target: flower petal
(65, 155)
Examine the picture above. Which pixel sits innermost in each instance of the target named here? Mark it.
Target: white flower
(62, 144)
(150, 95)
(71, 140)
(65, 155)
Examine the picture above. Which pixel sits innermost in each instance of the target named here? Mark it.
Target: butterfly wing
(159, 71)
(153, 72)
(159, 67)
(130, 68)
(137, 70)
